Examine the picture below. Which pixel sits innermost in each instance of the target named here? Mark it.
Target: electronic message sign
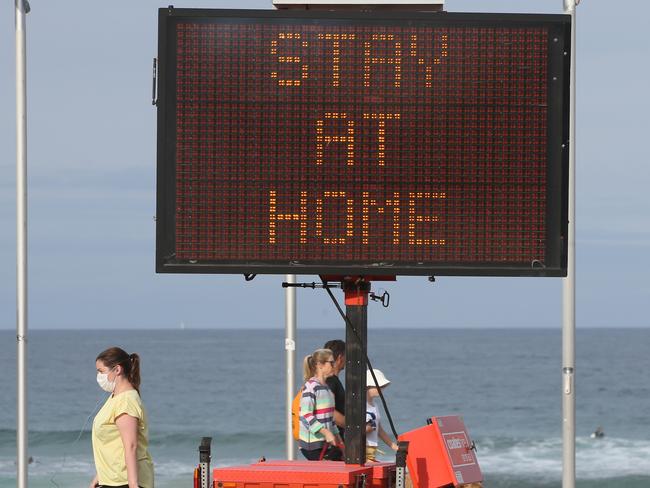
(381, 143)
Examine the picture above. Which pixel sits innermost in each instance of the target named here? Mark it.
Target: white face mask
(104, 383)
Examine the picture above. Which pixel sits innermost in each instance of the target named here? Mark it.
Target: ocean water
(229, 384)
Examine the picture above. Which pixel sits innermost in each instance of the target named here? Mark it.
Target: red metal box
(441, 454)
(383, 473)
(291, 475)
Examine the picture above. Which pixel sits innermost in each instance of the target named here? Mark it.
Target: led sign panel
(342, 143)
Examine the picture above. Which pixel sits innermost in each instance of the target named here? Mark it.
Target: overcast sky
(92, 163)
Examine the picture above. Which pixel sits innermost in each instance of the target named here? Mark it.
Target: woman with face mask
(120, 429)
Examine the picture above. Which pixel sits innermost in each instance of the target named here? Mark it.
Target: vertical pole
(21, 246)
(356, 309)
(568, 287)
(205, 455)
(400, 464)
(290, 353)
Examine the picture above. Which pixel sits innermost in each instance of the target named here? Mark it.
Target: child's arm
(383, 435)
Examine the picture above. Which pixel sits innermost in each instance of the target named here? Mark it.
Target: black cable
(372, 372)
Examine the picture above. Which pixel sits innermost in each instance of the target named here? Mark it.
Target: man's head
(337, 347)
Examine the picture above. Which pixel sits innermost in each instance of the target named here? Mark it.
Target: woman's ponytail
(308, 367)
(134, 373)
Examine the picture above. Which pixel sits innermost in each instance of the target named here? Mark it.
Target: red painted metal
(441, 454)
(356, 298)
(383, 473)
(297, 474)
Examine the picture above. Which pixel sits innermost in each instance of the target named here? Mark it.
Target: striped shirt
(316, 412)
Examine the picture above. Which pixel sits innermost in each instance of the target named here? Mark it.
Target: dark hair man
(338, 350)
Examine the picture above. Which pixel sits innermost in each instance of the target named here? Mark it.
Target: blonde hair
(310, 362)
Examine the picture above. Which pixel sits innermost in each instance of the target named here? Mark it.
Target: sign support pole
(22, 7)
(290, 354)
(569, 287)
(356, 310)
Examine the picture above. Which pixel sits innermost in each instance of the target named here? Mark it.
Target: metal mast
(22, 7)
(290, 354)
(569, 287)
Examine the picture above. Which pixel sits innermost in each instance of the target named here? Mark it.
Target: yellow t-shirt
(108, 449)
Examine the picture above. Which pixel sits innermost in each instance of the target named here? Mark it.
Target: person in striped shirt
(319, 435)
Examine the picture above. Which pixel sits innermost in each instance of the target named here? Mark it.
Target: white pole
(22, 7)
(569, 287)
(290, 350)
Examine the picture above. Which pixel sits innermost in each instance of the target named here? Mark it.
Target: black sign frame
(557, 148)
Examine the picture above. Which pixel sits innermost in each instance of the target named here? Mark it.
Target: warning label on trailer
(459, 450)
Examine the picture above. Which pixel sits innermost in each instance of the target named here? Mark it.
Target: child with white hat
(374, 431)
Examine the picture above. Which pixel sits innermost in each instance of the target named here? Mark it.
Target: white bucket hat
(381, 379)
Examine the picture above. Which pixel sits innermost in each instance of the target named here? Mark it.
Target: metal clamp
(384, 298)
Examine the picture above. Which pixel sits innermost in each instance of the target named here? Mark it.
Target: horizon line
(395, 327)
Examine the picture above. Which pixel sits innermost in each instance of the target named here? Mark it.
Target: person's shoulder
(128, 397)
(334, 382)
(132, 395)
(314, 386)
(128, 402)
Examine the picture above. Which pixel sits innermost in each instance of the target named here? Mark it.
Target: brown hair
(337, 346)
(309, 363)
(114, 356)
